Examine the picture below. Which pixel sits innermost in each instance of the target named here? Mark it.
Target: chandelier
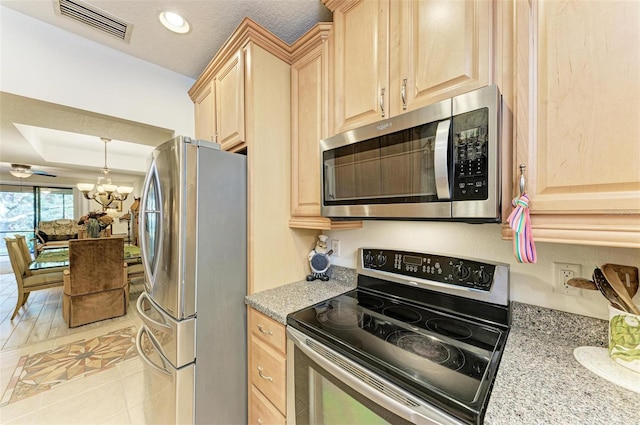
(105, 192)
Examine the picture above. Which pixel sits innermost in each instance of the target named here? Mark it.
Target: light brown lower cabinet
(261, 411)
(267, 370)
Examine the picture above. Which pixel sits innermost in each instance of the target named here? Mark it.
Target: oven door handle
(393, 399)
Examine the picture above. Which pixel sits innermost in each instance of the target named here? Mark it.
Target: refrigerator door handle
(162, 327)
(143, 356)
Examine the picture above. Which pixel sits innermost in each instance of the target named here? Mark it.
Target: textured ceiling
(212, 22)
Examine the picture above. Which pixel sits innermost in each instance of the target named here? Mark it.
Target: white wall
(43, 62)
(530, 283)
(40, 61)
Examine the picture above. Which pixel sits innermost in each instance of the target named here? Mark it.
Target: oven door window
(398, 167)
(321, 398)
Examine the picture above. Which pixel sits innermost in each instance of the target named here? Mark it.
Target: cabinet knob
(382, 102)
(260, 421)
(261, 329)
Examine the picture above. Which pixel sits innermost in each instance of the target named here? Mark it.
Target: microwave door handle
(441, 158)
(330, 188)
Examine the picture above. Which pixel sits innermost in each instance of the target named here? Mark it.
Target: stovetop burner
(451, 328)
(337, 315)
(404, 314)
(370, 302)
(438, 346)
(427, 347)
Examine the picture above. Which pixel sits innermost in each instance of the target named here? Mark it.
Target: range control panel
(449, 270)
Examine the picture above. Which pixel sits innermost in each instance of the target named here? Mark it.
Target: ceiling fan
(23, 171)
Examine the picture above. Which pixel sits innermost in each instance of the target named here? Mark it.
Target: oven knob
(461, 272)
(481, 277)
(382, 259)
(368, 259)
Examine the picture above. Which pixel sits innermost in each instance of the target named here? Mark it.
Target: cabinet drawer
(262, 412)
(268, 330)
(268, 372)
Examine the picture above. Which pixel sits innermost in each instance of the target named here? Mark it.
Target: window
(23, 207)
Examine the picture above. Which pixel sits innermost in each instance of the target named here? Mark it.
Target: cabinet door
(205, 115)
(229, 92)
(261, 411)
(309, 109)
(361, 63)
(444, 50)
(579, 138)
(267, 371)
(310, 122)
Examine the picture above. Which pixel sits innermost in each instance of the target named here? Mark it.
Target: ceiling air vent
(94, 17)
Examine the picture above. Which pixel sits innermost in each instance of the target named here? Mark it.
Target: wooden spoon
(605, 289)
(621, 290)
(578, 282)
(628, 276)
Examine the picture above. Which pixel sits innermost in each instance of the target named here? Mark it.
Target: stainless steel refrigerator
(193, 220)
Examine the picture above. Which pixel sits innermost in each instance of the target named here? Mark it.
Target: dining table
(59, 257)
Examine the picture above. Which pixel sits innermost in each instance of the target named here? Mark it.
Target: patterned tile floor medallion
(42, 371)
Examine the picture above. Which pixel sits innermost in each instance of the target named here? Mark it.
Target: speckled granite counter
(278, 302)
(538, 382)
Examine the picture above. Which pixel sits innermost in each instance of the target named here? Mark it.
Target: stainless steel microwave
(438, 162)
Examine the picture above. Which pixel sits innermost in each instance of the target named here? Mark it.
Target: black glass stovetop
(432, 352)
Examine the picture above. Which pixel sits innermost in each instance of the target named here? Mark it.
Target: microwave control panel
(450, 270)
(470, 156)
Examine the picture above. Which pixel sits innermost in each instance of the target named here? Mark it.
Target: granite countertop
(278, 302)
(538, 382)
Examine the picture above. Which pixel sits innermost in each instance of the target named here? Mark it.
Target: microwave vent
(92, 16)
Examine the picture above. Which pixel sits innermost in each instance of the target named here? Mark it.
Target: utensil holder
(624, 338)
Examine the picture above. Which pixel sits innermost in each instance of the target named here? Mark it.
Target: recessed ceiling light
(174, 22)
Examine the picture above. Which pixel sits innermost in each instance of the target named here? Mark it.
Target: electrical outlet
(562, 272)
(335, 246)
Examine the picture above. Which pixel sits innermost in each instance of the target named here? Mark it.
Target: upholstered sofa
(56, 233)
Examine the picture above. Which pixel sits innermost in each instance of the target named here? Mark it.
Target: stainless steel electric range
(418, 341)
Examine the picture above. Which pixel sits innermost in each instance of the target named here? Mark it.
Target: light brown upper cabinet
(310, 122)
(229, 91)
(577, 115)
(205, 114)
(219, 103)
(396, 56)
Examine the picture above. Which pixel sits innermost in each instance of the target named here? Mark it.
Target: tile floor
(112, 396)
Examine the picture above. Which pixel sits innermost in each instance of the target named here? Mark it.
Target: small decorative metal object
(319, 260)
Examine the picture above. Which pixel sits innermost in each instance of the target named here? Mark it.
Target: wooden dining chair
(27, 282)
(24, 248)
(26, 257)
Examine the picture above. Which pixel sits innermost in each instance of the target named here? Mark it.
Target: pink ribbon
(519, 220)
